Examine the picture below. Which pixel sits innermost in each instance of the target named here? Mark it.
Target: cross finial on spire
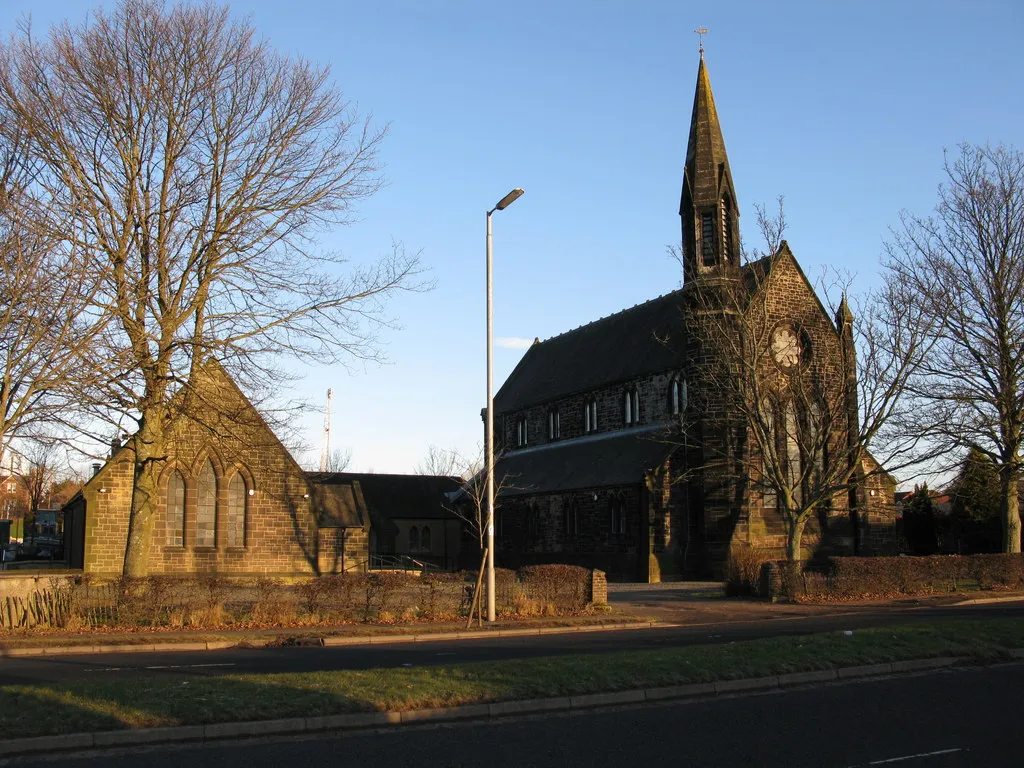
(701, 31)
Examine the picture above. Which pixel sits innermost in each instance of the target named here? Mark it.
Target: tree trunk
(1009, 508)
(793, 538)
(149, 453)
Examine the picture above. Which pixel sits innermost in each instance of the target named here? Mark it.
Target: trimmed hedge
(847, 578)
(213, 600)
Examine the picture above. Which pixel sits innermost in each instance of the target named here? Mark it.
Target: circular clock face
(786, 347)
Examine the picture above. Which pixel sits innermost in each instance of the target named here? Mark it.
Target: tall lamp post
(504, 203)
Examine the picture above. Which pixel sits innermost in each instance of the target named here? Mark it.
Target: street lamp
(504, 203)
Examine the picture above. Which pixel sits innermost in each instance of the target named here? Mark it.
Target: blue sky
(843, 108)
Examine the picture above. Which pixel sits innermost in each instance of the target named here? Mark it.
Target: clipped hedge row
(212, 600)
(848, 578)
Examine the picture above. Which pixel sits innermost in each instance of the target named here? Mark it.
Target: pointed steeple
(708, 201)
(844, 317)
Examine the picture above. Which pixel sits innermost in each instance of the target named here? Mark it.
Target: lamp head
(508, 199)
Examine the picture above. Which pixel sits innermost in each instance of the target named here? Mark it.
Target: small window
(425, 538)
(590, 416)
(618, 514)
(554, 429)
(707, 239)
(176, 510)
(522, 432)
(631, 407)
(414, 538)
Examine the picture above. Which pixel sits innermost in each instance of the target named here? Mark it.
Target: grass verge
(37, 710)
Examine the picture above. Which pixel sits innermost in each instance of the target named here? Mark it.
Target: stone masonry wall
(220, 426)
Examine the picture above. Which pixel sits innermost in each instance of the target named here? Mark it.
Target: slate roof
(338, 505)
(636, 342)
(395, 496)
(598, 461)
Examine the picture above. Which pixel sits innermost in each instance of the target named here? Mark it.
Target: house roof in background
(339, 505)
(395, 496)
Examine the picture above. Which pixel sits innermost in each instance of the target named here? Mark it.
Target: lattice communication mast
(325, 449)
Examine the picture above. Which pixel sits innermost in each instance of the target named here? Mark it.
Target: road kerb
(679, 691)
(590, 700)
(915, 665)
(803, 678)
(446, 713)
(133, 736)
(353, 720)
(865, 670)
(38, 744)
(527, 706)
(254, 728)
(747, 684)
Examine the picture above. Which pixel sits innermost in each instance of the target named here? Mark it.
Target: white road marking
(167, 666)
(915, 757)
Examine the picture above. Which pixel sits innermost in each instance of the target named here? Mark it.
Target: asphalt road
(68, 668)
(960, 717)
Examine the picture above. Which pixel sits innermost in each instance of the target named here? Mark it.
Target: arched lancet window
(206, 506)
(425, 538)
(176, 510)
(237, 495)
(707, 239)
(590, 416)
(414, 538)
(631, 407)
(571, 517)
(532, 520)
(554, 427)
(727, 245)
(793, 463)
(769, 495)
(677, 396)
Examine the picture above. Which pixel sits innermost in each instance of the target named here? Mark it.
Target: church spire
(708, 201)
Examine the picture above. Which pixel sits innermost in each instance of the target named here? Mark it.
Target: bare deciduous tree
(194, 166)
(963, 268)
(45, 295)
(805, 409)
(44, 464)
(470, 503)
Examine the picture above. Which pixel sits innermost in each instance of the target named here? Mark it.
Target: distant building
(594, 469)
(411, 521)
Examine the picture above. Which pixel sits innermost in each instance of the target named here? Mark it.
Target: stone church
(618, 447)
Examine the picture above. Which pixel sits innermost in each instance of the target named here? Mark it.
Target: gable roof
(339, 505)
(644, 339)
(599, 461)
(635, 342)
(395, 496)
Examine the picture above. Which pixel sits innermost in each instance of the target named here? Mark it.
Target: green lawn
(188, 700)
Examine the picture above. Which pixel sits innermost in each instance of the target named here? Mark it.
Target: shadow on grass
(179, 699)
